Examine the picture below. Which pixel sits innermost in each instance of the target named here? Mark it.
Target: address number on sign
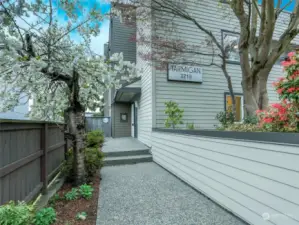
(186, 73)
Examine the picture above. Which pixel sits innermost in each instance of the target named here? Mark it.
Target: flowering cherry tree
(284, 116)
(39, 60)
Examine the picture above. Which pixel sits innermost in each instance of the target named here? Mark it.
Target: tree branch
(15, 23)
(279, 10)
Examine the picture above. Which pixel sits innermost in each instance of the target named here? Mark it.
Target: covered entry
(125, 111)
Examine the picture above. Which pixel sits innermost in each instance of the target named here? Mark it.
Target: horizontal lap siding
(145, 71)
(121, 129)
(247, 178)
(121, 40)
(202, 102)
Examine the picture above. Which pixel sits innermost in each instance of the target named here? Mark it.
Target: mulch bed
(67, 210)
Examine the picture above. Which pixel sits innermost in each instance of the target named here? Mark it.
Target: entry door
(133, 120)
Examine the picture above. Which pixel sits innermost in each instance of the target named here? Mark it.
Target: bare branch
(254, 2)
(280, 9)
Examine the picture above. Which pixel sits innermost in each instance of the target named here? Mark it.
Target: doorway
(133, 121)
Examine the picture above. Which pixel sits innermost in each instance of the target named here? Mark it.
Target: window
(239, 105)
(230, 41)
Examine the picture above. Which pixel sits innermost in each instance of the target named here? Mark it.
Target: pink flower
(290, 90)
(276, 105)
(268, 120)
(291, 54)
(288, 63)
(280, 90)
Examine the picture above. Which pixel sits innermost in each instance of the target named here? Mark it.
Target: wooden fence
(99, 123)
(31, 153)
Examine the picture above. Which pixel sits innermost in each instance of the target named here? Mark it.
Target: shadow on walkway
(146, 194)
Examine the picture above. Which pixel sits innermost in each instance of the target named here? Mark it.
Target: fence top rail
(2, 121)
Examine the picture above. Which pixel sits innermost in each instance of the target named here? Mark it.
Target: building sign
(180, 72)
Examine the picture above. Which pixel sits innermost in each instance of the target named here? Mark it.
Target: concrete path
(123, 144)
(146, 194)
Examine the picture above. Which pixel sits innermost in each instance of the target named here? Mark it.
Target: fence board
(99, 123)
(30, 152)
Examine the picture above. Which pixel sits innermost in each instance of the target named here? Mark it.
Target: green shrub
(45, 216)
(190, 126)
(174, 113)
(93, 158)
(94, 138)
(251, 120)
(72, 195)
(81, 216)
(86, 191)
(93, 161)
(16, 214)
(225, 118)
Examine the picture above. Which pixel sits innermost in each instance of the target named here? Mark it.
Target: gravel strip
(146, 194)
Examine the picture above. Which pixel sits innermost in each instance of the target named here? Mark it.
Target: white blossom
(54, 53)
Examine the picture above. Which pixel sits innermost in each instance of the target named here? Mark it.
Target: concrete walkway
(123, 144)
(146, 194)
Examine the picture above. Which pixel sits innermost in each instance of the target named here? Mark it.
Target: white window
(230, 42)
(239, 106)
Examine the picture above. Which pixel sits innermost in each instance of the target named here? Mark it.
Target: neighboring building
(138, 107)
(19, 112)
(118, 102)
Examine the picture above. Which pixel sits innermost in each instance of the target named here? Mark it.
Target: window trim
(222, 44)
(242, 103)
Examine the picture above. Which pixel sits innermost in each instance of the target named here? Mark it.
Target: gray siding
(122, 39)
(121, 129)
(202, 102)
(145, 70)
(249, 179)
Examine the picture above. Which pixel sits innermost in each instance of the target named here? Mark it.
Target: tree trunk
(76, 125)
(249, 93)
(262, 97)
(76, 129)
(250, 103)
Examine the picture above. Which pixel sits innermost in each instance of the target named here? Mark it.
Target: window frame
(222, 44)
(238, 94)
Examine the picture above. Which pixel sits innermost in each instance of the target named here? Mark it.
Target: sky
(97, 43)
(289, 8)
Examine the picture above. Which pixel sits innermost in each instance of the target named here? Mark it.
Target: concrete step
(127, 153)
(121, 160)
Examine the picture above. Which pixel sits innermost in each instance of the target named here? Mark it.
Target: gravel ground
(146, 194)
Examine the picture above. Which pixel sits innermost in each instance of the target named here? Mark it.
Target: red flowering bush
(279, 117)
(288, 87)
(282, 116)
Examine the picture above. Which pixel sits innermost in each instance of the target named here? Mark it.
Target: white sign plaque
(181, 72)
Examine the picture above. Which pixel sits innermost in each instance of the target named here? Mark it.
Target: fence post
(65, 141)
(44, 161)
